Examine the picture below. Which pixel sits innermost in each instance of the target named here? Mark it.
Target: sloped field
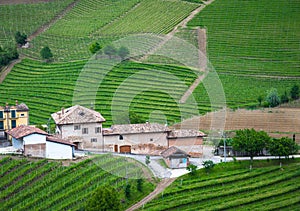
(46, 185)
(239, 189)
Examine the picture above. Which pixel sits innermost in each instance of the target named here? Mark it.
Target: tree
(123, 52)
(8, 54)
(147, 160)
(208, 165)
(20, 38)
(139, 184)
(295, 92)
(110, 50)
(192, 169)
(284, 98)
(273, 98)
(95, 47)
(127, 191)
(46, 53)
(104, 198)
(260, 99)
(250, 141)
(282, 147)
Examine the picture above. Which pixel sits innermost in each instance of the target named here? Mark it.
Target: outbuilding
(175, 158)
(37, 143)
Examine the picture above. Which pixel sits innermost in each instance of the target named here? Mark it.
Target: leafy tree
(295, 92)
(123, 52)
(208, 165)
(127, 191)
(192, 169)
(284, 98)
(8, 54)
(147, 159)
(273, 98)
(104, 198)
(139, 184)
(20, 38)
(95, 47)
(260, 99)
(110, 50)
(282, 147)
(250, 141)
(46, 53)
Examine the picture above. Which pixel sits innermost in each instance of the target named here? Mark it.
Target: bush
(208, 165)
(192, 169)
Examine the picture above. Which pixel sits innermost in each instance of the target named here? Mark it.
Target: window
(22, 115)
(151, 139)
(85, 131)
(13, 123)
(97, 129)
(93, 139)
(120, 137)
(1, 125)
(76, 127)
(13, 114)
(1, 114)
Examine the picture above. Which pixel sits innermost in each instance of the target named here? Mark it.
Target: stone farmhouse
(83, 127)
(37, 143)
(175, 158)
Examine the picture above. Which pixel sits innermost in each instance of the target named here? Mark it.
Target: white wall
(34, 139)
(58, 151)
(17, 143)
(68, 132)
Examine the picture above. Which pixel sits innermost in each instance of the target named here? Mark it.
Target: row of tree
(109, 50)
(253, 143)
(273, 99)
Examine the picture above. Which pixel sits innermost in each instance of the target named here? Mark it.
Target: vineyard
(233, 186)
(252, 37)
(46, 185)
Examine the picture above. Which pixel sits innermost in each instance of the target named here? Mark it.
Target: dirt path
(172, 33)
(159, 188)
(43, 28)
(8, 68)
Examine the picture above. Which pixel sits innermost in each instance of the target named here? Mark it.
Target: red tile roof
(58, 140)
(22, 131)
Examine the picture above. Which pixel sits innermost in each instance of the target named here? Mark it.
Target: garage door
(125, 149)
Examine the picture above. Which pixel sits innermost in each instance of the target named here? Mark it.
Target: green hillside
(232, 186)
(253, 45)
(253, 37)
(46, 185)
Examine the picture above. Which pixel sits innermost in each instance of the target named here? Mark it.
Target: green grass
(234, 186)
(46, 185)
(252, 37)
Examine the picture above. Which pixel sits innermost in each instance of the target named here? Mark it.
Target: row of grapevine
(259, 188)
(52, 186)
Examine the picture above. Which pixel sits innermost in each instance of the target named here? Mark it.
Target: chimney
(62, 110)
(17, 103)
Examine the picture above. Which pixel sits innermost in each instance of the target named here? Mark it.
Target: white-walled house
(37, 143)
(81, 126)
(175, 158)
(148, 138)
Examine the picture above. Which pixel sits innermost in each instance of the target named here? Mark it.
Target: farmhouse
(190, 141)
(175, 158)
(147, 138)
(37, 143)
(81, 126)
(11, 117)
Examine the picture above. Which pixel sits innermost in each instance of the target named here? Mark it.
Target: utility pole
(224, 140)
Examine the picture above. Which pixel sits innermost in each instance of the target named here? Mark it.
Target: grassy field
(234, 186)
(48, 185)
(252, 37)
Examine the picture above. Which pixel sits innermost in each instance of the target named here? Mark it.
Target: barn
(37, 143)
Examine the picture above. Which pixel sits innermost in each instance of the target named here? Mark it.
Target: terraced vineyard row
(19, 17)
(44, 185)
(116, 19)
(262, 188)
(253, 37)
